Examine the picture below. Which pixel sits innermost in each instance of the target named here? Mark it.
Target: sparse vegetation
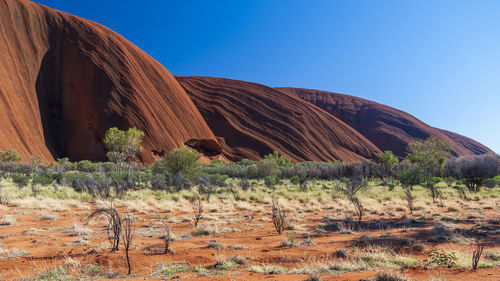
(278, 216)
(198, 211)
(309, 200)
(350, 188)
(128, 235)
(114, 226)
(476, 255)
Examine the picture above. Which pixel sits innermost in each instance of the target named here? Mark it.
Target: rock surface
(252, 120)
(65, 80)
(386, 127)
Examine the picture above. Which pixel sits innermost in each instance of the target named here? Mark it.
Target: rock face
(252, 120)
(65, 80)
(386, 127)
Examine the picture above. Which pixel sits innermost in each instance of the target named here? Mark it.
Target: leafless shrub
(114, 226)
(167, 238)
(350, 188)
(198, 211)
(128, 235)
(476, 255)
(341, 253)
(279, 216)
(409, 198)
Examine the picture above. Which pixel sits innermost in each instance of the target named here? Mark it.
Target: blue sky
(437, 60)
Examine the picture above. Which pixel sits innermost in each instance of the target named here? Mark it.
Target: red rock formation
(65, 80)
(252, 120)
(388, 128)
(468, 143)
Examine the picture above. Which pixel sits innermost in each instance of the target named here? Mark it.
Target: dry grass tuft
(391, 275)
(8, 220)
(77, 229)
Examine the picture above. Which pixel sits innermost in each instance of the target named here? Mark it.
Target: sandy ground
(68, 239)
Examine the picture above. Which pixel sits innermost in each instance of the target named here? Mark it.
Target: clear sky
(437, 60)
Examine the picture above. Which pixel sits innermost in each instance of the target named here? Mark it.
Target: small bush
(180, 160)
(441, 259)
(271, 181)
(341, 253)
(278, 216)
(198, 211)
(476, 255)
(21, 180)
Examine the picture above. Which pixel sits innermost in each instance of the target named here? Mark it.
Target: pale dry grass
(49, 204)
(12, 252)
(47, 216)
(138, 206)
(8, 220)
(77, 229)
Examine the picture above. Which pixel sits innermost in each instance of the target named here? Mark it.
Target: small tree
(123, 146)
(408, 179)
(281, 161)
(350, 188)
(388, 161)
(430, 155)
(35, 162)
(180, 160)
(128, 235)
(473, 170)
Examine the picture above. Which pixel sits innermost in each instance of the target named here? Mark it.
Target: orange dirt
(49, 245)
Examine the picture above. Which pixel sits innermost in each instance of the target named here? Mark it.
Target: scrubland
(51, 237)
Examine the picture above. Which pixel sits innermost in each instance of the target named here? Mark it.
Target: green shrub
(490, 183)
(411, 176)
(87, 166)
(295, 179)
(218, 180)
(441, 259)
(449, 181)
(280, 160)
(436, 180)
(10, 155)
(178, 160)
(108, 167)
(20, 180)
(271, 181)
(267, 167)
(42, 179)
